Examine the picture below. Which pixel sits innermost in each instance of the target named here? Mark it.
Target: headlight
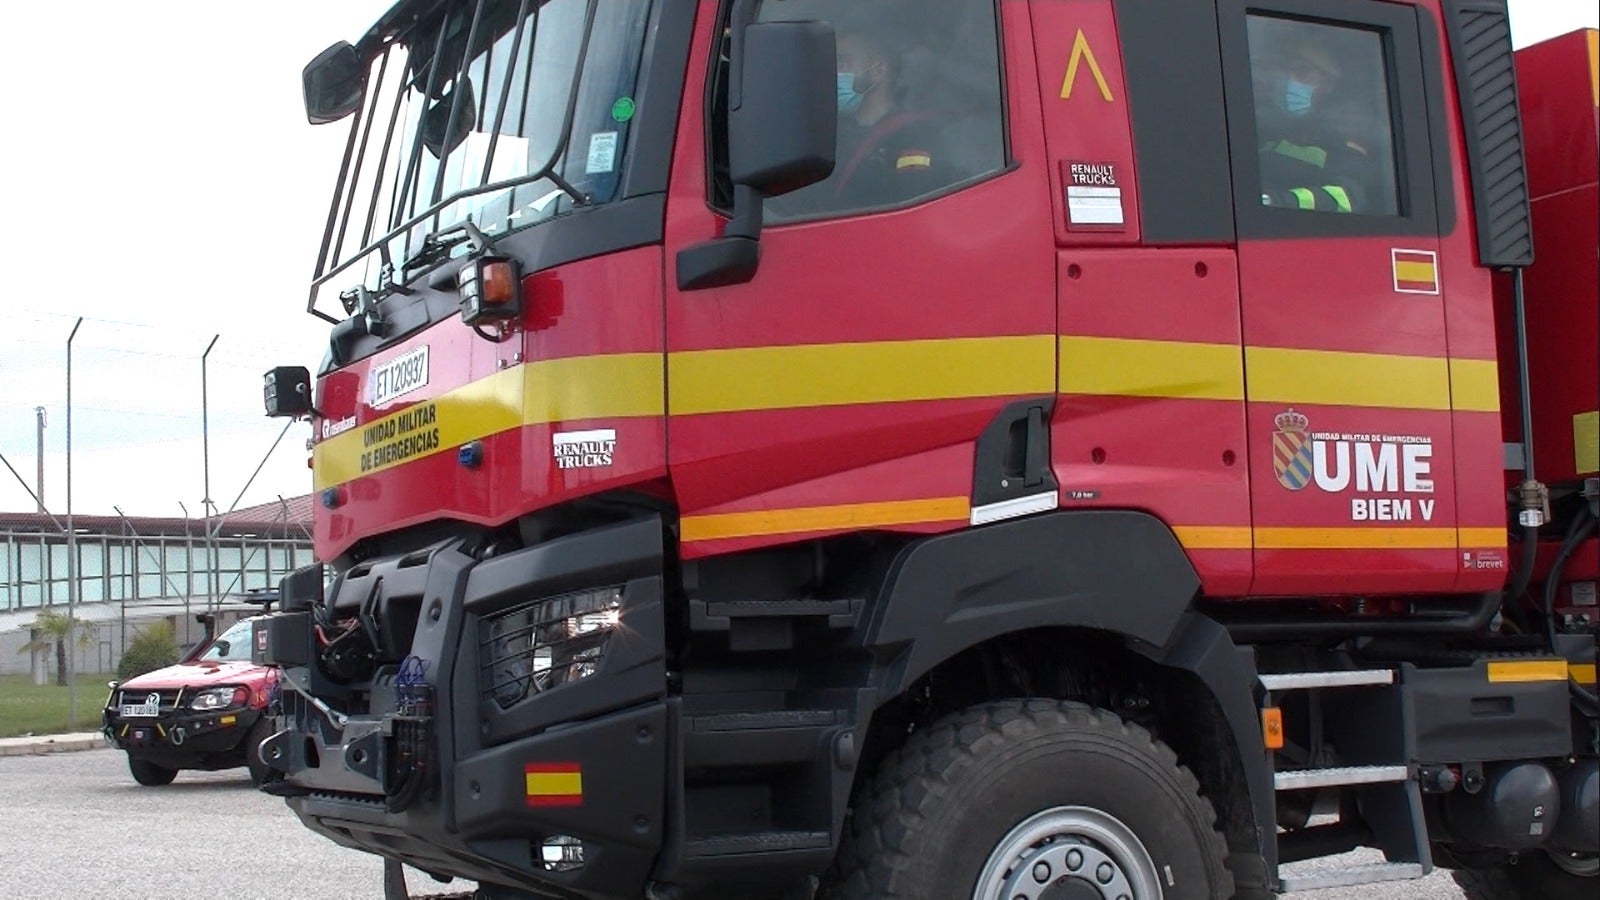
(218, 698)
(542, 645)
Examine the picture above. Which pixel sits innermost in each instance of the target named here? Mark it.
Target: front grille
(169, 698)
(540, 646)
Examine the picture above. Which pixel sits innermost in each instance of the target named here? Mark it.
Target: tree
(54, 629)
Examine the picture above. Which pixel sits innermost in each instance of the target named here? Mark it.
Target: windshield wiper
(435, 249)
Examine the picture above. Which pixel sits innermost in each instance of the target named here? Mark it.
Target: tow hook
(179, 736)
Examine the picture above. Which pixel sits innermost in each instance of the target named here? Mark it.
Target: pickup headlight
(218, 698)
(545, 644)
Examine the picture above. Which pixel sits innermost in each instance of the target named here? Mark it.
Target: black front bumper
(460, 786)
(185, 740)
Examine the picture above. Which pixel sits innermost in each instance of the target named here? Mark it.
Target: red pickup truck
(206, 712)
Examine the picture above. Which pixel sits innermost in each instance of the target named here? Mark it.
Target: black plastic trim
(1109, 570)
(1003, 470)
(1463, 717)
(1203, 647)
(660, 97)
(1172, 60)
(1486, 80)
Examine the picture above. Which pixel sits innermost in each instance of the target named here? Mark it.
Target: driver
(887, 153)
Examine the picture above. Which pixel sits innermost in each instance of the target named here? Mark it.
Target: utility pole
(205, 449)
(72, 551)
(38, 493)
(188, 582)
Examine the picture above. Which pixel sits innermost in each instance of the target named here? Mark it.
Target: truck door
(1340, 202)
(899, 305)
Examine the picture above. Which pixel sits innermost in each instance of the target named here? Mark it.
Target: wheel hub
(1069, 853)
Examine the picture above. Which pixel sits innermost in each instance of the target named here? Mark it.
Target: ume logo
(1370, 464)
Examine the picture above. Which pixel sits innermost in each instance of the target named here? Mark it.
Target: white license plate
(149, 709)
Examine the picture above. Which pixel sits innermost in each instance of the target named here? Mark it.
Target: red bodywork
(196, 676)
(842, 389)
(1560, 121)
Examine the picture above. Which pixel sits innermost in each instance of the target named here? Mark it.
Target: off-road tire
(252, 752)
(926, 823)
(149, 774)
(1534, 877)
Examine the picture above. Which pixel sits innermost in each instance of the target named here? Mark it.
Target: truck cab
(929, 449)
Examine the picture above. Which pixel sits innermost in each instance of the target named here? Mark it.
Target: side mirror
(334, 84)
(783, 126)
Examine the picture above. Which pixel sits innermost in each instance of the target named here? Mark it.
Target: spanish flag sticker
(1415, 271)
(554, 784)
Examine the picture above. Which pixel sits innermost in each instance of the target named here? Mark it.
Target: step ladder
(1393, 798)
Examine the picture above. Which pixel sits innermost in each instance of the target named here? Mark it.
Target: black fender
(1113, 572)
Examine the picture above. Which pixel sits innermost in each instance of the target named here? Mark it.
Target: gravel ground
(76, 825)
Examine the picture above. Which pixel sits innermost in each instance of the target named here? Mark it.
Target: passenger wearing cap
(1305, 162)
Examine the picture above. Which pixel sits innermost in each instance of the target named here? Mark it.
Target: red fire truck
(989, 449)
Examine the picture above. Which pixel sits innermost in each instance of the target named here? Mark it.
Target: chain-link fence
(183, 496)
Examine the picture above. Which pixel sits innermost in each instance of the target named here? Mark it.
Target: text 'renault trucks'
(1063, 450)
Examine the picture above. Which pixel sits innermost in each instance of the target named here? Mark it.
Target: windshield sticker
(623, 109)
(584, 449)
(398, 377)
(602, 153)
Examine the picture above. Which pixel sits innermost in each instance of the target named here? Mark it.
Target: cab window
(1324, 122)
(919, 103)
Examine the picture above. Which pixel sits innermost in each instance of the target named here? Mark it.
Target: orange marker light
(498, 283)
(1272, 728)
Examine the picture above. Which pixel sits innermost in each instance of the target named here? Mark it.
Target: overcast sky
(165, 186)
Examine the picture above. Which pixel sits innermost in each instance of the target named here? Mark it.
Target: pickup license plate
(149, 709)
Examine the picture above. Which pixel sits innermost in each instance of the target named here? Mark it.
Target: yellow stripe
(1230, 537)
(1355, 538)
(1582, 673)
(1594, 65)
(1481, 538)
(1333, 378)
(825, 518)
(712, 381)
(554, 784)
(1415, 271)
(1119, 367)
(1474, 385)
(557, 390)
(1525, 670)
(1214, 537)
(1586, 442)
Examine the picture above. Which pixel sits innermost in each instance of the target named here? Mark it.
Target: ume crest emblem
(1291, 449)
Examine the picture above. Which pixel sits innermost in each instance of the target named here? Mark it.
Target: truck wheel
(1032, 799)
(149, 774)
(252, 752)
(1536, 876)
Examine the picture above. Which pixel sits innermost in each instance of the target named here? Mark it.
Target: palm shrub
(153, 648)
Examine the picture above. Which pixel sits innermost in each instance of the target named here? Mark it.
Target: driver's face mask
(848, 97)
(1297, 96)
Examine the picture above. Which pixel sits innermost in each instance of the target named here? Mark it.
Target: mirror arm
(746, 221)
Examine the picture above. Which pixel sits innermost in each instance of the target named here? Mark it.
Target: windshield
(232, 646)
(504, 112)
